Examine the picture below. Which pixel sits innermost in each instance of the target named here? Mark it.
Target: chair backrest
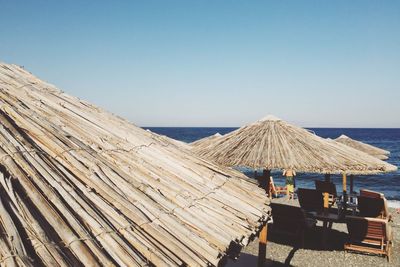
(386, 213)
(370, 193)
(326, 187)
(371, 230)
(371, 207)
(272, 183)
(310, 199)
(286, 217)
(374, 194)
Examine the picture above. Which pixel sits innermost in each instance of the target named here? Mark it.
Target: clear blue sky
(216, 63)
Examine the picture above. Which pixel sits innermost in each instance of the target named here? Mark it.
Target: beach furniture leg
(324, 232)
(302, 238)
(262, 245)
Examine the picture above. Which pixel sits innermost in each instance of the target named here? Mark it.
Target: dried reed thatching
(178, 143)
(206, 141)
(369, 149)
(271, 143)
(80, 186)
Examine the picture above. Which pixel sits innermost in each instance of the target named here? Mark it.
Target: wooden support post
(351, 184)
(344, 192)
(344, 184)
(262, 245)
(352, 188)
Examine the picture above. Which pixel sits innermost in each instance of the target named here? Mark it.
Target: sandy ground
(284, 251)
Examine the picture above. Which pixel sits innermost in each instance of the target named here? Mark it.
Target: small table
(328, 219)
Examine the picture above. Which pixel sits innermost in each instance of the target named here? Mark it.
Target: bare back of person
(289, 173)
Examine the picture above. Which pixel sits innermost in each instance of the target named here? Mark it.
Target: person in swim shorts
(289, 174)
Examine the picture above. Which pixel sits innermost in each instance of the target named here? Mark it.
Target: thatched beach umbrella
(367, 148)
(356, 153)
(205, 142)
(170, 141)
(272, 143)
(80, 186)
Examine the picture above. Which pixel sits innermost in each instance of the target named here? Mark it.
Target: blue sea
(388, 139)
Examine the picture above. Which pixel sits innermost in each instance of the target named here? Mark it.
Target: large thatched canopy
(272, 143)
(79, 185)
(206, 141)
(377, 152)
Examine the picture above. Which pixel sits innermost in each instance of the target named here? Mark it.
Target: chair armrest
(369, 219)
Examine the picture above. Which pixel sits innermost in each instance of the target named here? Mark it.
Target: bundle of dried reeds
(367, 148)
(206, 141)
(79, 185)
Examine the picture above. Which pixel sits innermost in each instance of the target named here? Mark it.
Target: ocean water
(388, 139)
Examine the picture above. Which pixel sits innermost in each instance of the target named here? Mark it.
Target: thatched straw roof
(179, 144)
(206, 141)
(81, 186)
(367, 148)
(271, 143)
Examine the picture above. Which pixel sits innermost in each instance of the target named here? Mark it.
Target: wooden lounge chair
(310, 199)
(373, 200)
(373, 207)
(369, 235)
(327, 187)
(370, 193)
(276, 190)
(291, 220)
(269, 185)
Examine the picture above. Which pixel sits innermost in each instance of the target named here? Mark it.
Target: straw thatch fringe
(367, 148)
(271, 143)
(79, 186)
(205, 142)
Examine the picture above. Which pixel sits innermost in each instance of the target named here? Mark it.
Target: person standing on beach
(289, 174)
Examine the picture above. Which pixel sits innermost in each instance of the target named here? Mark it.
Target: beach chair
(291, 220)
(369, 235)
(373, 207)
(370, 193)
(310, 199)
(269, 185)
(376, 200)
(327, 187)
(276, 190)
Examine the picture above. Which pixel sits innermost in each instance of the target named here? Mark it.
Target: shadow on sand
(248, 260)
(312, 239)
